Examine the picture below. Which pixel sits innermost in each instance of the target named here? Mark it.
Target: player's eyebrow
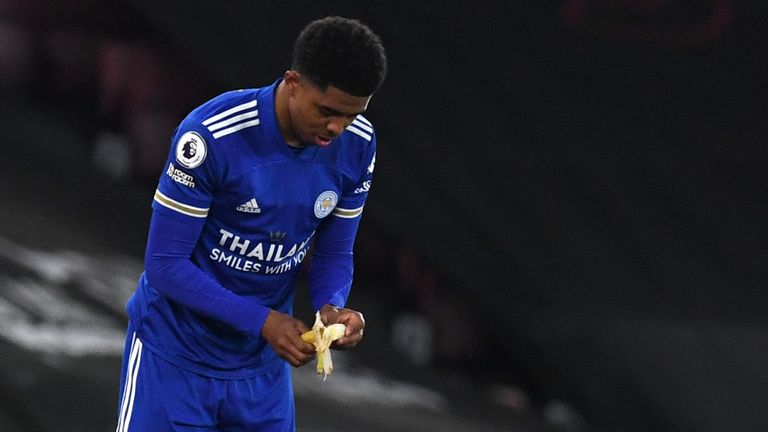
(332, 112)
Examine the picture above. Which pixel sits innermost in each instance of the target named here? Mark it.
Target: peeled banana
(321, 337)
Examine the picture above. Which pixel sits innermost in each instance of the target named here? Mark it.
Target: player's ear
(291, 79)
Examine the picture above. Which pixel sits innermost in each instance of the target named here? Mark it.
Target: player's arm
(332, 266)
(330, 277)
(170, 271)
(194, 170)
(180, 208)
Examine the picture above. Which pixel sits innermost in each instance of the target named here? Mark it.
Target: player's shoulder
(198, 141)
(358, 140)
(354, 149)
(226, 113)
(361, 129)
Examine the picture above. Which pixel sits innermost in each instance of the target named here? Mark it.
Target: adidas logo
(250, 206)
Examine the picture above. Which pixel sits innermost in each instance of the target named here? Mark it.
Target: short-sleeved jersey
(262, 202)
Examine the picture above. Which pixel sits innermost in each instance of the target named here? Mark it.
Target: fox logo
(325, 203)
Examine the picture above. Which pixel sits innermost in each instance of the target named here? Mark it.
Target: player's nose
(336, 127)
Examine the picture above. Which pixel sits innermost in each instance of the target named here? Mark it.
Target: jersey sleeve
(171, 272)
(191, 173)
(332, 266)
(351, 204)
(181, 204)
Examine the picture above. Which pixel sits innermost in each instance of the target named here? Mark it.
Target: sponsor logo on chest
(255, 256)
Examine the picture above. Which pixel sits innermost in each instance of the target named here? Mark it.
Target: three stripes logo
(250, 206)
(361, 127)
(233, 120)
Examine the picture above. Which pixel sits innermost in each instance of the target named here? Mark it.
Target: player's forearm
(330, 274)
(330, 279)
(182, 282)
(170, 271)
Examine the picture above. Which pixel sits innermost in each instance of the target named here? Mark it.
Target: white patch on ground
(38, 312)
(108, 279)
(67, 328)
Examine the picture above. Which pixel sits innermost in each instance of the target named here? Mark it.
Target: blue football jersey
(261, 204)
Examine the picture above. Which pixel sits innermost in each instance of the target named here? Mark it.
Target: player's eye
(327, 112)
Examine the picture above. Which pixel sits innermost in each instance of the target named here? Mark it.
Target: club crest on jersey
(325, 203)
(191, 150)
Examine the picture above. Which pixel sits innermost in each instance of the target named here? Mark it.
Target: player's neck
(284, 116)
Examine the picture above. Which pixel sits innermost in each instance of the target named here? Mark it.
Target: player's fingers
(301, 350)
(354, 322)
(300, 326)
(329, 314)
(296, 357)
(305, 358)
(288, 356)
(306, 348)
(291, 348)
(302, 346)
(351, 340)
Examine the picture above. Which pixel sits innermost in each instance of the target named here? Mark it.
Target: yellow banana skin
(321, 337)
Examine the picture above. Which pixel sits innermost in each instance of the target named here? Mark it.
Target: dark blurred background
(567, 226)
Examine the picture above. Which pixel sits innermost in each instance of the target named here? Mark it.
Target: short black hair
(342, 52)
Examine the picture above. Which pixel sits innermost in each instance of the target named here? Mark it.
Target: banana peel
(322, 336)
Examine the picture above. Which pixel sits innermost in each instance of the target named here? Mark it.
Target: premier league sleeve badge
(191, 150)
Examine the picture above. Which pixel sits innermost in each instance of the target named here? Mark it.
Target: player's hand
(283, 333)
(352, 319)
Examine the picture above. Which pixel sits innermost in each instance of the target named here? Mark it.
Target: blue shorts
(159, 396)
